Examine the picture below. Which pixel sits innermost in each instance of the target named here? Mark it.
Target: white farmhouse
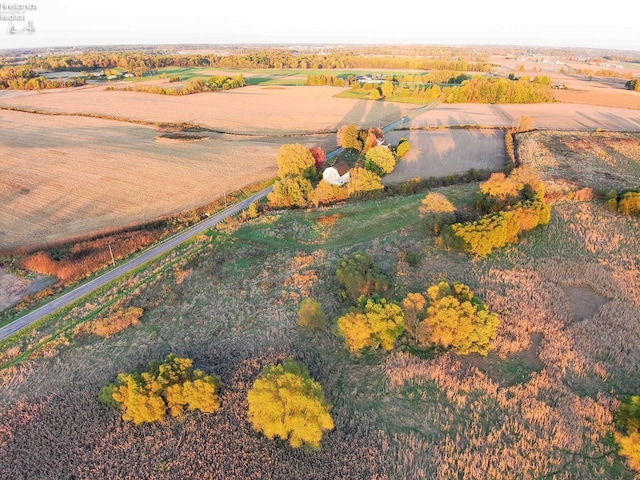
(337, 174)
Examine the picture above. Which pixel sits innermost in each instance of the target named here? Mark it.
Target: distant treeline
(408, 80)
(478, 89)
(500, 90)
(142, 63)
(197, 85)
(24, 78)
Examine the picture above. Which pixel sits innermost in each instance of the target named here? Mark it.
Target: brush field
(539, 406)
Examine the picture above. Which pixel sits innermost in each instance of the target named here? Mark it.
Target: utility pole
(113, 261)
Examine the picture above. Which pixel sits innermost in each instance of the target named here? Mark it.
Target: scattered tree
(377, 323)
(326, 193)
(347, 137)
(363, 180)
(380, 160)
(310, 315)
(454, 318)
(295, 159)
(285, 402)
(293, 191)
(628, 436)
(403, 147)
(359, 275)
(319, 156)
(172, 386)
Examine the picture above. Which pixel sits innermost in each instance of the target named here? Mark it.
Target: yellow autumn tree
(628, 438)
(170, 387)
(377, 323)
(285, 402)
(295, 159)
(455, 319)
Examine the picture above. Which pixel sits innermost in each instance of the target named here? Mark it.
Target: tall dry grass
(89, 256)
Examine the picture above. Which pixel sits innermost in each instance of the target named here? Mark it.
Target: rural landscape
(361, 263)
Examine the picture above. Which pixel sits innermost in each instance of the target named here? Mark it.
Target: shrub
(437, 212)
(362, 180)
(413, 258)
(377, 323)
(359, 275)
(285, 402)
(453, 318)
(629, 203)
(403, 147)
(326, 193)
(310, 315)
(290, 192)
(380, 160)
(169, 387)
(628, 438)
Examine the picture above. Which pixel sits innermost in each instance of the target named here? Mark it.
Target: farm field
(63, 177)
(438, 153)
(539, 406)
(250, 110)
(564, 116)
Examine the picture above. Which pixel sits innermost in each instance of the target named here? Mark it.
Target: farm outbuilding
(337, 174)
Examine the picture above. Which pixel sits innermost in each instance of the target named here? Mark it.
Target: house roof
(342, 168)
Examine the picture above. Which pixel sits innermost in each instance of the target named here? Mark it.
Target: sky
(555, 23)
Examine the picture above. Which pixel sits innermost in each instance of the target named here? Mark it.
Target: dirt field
(252, 110)
(438, 153)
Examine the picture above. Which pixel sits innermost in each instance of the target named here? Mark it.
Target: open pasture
(442, 152)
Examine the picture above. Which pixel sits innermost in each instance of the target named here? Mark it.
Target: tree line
(140, 63)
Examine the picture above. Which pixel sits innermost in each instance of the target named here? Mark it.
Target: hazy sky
(540, 23)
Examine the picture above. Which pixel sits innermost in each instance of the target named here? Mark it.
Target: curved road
(146, 256)
(161, 248)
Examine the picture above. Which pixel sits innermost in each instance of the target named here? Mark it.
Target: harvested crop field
(63, 177)
(249, 110)
(442, 152)
(562, 116)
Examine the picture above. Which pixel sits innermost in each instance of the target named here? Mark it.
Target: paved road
(161, 248)
(111, 275)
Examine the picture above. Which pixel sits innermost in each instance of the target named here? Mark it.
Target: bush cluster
(170, 387)
(627, 202)
(495, 230)
(628, 436)
(285, 402)
(377, 323)
(359, 275)
(515, 204)
(451, 317)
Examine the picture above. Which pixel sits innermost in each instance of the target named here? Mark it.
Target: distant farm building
(337, 174)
